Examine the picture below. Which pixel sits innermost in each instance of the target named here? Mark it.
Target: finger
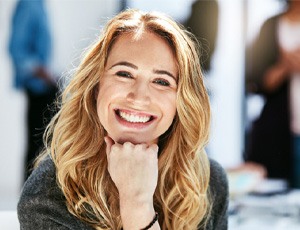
(154, 148)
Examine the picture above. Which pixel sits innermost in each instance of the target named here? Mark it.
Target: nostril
(130, 96)
(138, 98)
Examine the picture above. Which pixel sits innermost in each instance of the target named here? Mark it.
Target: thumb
(109, 142)
(154, 148)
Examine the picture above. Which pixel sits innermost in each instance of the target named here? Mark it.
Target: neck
(293, 13)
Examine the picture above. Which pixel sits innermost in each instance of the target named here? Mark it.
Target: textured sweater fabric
(42, 204)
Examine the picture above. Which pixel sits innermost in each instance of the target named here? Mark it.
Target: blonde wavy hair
(75, 137)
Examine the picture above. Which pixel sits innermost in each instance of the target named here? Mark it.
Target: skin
(136, 104)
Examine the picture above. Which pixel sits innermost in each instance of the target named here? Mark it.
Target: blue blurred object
(30, 44)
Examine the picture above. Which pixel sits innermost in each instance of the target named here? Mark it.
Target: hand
(251, 167)
(288, 62)
(291, 59)
(43, 74)
(133, 169)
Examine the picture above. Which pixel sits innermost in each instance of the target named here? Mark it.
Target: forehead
(141, 39)
(129, 45)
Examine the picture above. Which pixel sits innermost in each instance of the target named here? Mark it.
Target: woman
(127, 146)
(274, 73)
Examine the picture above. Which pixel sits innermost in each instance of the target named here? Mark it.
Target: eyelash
(158, 81)
(124, 74)
(162, 82)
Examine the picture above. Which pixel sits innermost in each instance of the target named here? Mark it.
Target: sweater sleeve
(219, 193)
(42, 204)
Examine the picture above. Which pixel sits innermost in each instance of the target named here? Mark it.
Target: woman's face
(137, 93)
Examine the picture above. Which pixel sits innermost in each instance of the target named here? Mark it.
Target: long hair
(75, 137)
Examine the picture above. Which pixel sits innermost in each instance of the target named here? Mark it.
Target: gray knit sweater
(42, 204)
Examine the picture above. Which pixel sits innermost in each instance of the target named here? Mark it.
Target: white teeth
(134, 118)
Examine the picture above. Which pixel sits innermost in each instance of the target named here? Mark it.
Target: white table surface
(9, 220)
(275, 212)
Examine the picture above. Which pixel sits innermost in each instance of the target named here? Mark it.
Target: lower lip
(136, 125)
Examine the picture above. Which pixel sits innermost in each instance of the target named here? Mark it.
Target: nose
(139, 94)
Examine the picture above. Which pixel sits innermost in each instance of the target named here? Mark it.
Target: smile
(133, 117)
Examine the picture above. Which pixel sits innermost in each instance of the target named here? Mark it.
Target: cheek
(100, 111)
(172, 114)
(108, 94)
(102, 104)
(170, 108)
(105, 93)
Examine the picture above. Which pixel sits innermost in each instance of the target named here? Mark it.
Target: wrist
(154, 220)
(143, 217)
(136, 206)
(136, 200)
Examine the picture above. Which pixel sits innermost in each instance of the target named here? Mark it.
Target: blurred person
(203, 23)
(273, 70)
(126, 149)
(30, 48)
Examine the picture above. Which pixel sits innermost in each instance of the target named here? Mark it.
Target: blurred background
(74, 24)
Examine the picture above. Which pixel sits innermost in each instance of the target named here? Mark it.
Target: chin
(134, 140)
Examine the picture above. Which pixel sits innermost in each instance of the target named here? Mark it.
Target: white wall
(75, 24)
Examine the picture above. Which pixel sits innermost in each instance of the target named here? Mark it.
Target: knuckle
(127, 145)
(113, 148)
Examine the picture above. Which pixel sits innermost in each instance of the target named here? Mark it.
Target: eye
(162, 82)
(124, 74)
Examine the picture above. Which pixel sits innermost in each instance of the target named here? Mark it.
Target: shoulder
(42, 204)
(271, 23)
(41, 179)
(219, 196)
(218, 185)
(218, 177)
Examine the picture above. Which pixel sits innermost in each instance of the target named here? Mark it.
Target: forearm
(275, 76)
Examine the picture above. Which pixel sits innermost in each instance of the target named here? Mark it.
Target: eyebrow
(166, 73)
(125, 63)
(156, 71)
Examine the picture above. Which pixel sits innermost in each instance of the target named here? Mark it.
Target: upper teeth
(134, 118)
